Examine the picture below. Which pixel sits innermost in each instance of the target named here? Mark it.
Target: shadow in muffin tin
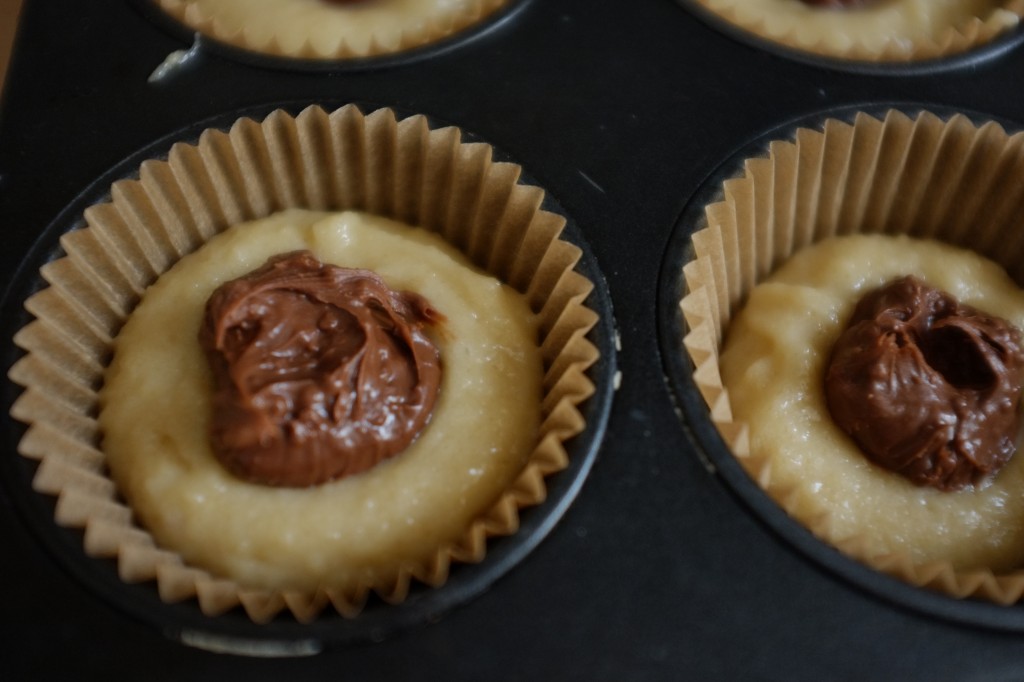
(928, 67)
(204, 43)
(709, 445)
(233, 632)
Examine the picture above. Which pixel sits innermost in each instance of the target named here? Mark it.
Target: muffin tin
(661, 566)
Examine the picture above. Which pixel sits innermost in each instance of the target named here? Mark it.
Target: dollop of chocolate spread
(927, 387)
(320, 371)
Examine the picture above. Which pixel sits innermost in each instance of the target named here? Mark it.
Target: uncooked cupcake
(873, 30)
(775, 363)
(313, 514)
(844, 180)
(330, 29)
(176, 218)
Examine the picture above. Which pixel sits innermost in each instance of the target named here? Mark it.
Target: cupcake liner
(369, 31)
(344, 159)
(948, 180)
(863, 46)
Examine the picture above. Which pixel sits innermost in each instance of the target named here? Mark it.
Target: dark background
(619, 109)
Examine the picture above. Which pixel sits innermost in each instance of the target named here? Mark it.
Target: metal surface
(620, 111)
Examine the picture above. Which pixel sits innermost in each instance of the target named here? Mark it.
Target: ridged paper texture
(949, 180)
(339, 160)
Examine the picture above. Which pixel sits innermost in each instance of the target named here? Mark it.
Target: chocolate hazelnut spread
(320, 371)
(926, 386)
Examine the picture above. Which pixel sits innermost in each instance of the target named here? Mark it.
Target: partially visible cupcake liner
(377, 163)
(957, 40)
(287, 41)
(949, 180)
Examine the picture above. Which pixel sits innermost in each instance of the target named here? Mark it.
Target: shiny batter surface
(156, 410)
(773, 365)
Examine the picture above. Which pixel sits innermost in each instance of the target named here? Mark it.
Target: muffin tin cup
(494, 22)
(687, 386)
(233, 630)
(972, 57)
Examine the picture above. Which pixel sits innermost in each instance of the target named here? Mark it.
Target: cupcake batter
(156, 410)
(773, 365)
(323, 29)
(873, 25)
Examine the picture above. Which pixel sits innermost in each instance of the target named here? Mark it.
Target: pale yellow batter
(874, 26)
(773, 365)
(155, 411)
(318, 28)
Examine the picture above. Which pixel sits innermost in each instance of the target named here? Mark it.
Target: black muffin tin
(666, 564)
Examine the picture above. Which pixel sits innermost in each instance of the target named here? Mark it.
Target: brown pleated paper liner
(344, 159)
(947, 180)
(957, 39)
(290, 37)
